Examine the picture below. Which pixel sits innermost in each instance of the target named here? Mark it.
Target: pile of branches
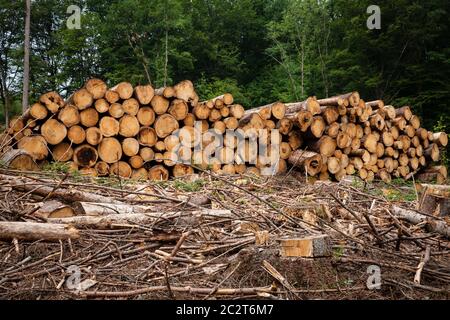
(209, 236)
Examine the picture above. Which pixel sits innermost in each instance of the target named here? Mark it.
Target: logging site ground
(224, 150)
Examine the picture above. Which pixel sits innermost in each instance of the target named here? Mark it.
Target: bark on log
(33, 231)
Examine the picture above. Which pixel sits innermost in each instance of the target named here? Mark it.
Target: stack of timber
(344, 135)
(140, 133)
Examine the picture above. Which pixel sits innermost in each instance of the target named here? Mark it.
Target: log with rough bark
(438, 226)
(18, 159)
(33, 231)
(135, 215)
(311, 162)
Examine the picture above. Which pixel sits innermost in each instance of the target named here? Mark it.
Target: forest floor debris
(207, 237)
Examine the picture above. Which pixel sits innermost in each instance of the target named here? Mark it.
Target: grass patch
(189, 186)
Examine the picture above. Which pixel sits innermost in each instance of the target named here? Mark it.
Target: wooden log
(139, 174)
(144, 94)
(377, 104)
(430, 177)
(158, 173)
(400, 123)
(225, 112)
(285, 125)
(82, 99)
(128, 126)
(89, 117)
(343, 140)
(160, 104)
(178, 109)
(62, 152)
(109, 126)
(341, 100)
(377, 122)
(120, 168)
(69, 116)
(38, 111)
(52, 101)
(185, 91)
(404, 112)
(333, 130)
(147, 136)
(325, 146)
(53, 209)
(330, 114)
(295, 139)
(440, 138)
(308, 246)
(237, 111)
(102, 168)
(166, 92)
(317, 127)
(370, 142)
(71, 194)
(76, 134)
(103, 215)
(116, 110)
(422, 134)
(311, 162)
(96, 87)
(333, 165)
(165, 125)
(35, 146)
(438, 226)
(110, 150)
(437, 169)
(130, 147)
(124, 89)
(146, 116)
(410, 131)
(33, 231)
(136, 162)
(189, 120)
(18, 159)
(53, 131)
(147, 154)
(309, 104)
(85, 156)
(112, 96)
(130, 106)
(304, 120)
(180, 170)
(415, 122)
(432, 152)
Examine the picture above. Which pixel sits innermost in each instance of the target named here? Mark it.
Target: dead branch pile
(206, 236)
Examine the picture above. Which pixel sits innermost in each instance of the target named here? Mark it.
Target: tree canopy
(259, 50)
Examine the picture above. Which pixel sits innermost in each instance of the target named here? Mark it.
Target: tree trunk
(33, 231)
(26, 58)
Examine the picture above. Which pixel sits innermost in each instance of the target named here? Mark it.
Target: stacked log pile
(139, 132)
(131, 132)
(345, 135)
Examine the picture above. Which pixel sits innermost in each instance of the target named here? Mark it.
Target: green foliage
(189, 186)
(259, 50)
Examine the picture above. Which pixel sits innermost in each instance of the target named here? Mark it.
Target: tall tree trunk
(166, 57)
(26, 58)
(5, 98)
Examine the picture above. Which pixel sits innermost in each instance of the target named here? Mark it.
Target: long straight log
(438, 226)
(110, 220)
(25, 184)
(33, 231)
